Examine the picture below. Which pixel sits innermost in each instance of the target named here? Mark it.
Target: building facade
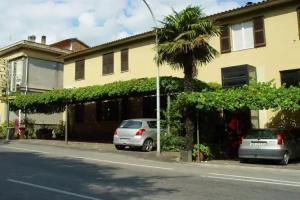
(259, 41)
(32, 67)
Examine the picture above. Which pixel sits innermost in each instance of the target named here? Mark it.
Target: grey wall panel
(43, 74)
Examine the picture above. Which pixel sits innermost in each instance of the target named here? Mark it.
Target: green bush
(205, 150)
(29, 128)
(172, 142)
(3, 129)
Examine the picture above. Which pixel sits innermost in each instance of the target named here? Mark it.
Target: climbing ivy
(255, 96)
(56, 100)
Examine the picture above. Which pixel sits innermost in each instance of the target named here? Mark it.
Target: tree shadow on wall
(285, 119)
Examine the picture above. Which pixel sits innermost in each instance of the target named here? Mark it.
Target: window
(108, 64)
(79, 113)
(290, 77)
(124, 60)
(242, 36)
(237, 75)
(79, 70)
(152, 124)
(298, 14)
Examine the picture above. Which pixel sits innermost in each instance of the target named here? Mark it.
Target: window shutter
(108, 63)
(79, 70)
(259, 32)
(124, 60)
(298, 14)
(225, 39)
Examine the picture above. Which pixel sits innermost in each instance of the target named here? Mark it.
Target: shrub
(205, 150)
(3, 129)
(172, 142)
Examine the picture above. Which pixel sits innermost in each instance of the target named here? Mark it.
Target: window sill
(125, 71)
(82, 79)
(108, 74)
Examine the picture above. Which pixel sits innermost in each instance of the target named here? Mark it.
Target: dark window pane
(237, 75)
(131, 124)
(108, 63)
(152, 124)
(110, 110)
(290, 77)
(79, 70)
(124, 60)
(79, 113)
(261, 134)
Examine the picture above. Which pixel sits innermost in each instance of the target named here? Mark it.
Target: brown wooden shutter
(298, 14)
(79, 70)
(259, 32)
(108, 63)
(124, 60)
(225, 39)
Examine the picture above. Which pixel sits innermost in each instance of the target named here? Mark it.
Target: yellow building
(258, 41)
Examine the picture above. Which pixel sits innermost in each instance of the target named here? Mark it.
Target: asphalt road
(35, 172)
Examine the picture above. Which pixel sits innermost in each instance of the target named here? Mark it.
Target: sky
(91, 21)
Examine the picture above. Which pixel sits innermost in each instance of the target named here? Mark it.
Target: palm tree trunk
(188, 111)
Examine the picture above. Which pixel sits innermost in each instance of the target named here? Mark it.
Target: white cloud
(92, 21)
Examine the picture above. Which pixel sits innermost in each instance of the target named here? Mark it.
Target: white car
(136, 133)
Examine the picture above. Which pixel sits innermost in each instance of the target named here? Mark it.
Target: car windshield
(131, 124)
(261, 134)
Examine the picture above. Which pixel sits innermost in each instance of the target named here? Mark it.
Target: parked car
(136, 133)
(272, 144)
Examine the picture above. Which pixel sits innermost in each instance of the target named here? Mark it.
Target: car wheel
(148, 145)
(285, 159)
(120, 147)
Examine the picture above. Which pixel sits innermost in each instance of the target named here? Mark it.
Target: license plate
(124, 140)
(258, 144)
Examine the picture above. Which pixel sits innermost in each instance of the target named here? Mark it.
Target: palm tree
(183, 43)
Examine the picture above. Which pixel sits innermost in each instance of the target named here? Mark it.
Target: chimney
(249, 3)
(43, 39)
(31, 38)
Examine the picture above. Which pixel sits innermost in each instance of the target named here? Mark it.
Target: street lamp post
(157, 83)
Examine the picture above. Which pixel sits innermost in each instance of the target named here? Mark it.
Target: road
(36, 172)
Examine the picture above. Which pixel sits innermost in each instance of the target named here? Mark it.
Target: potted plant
(204, 152)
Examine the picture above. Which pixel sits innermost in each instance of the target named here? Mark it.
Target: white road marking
(253, 179)
(256, 178)
(52, 189)
(92, 159)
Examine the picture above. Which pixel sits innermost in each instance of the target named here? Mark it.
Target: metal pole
(157, 83)
(66, 125)
(198, 140)
(168, 112)
(7, 103)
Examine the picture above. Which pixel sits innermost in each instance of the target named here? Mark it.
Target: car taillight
(279, 138)
(116, 133)
(140, 132)
(241, 140)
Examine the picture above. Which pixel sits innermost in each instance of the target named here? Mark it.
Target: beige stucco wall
(33, 54)
(280, 53)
